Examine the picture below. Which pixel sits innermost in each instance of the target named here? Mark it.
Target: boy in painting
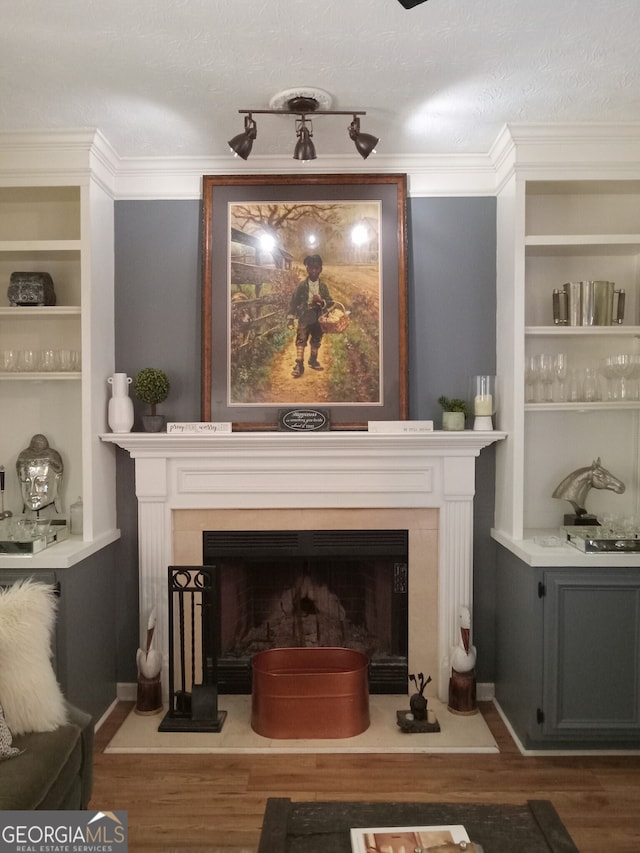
(310, 298)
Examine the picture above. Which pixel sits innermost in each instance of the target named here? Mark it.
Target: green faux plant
(151, 386)
(453, 404)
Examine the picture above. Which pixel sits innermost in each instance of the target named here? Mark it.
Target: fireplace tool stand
(194, 600)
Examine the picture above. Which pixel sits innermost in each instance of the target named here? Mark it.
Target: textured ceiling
(167, 77)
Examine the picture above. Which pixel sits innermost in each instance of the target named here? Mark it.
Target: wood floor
(215, 804)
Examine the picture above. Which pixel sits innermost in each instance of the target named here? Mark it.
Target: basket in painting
(335, 320)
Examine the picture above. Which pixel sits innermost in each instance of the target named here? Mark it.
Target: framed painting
(304, 298)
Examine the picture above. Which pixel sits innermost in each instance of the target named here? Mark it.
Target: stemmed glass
(531, 379)
(547, 375)
(560, 367)
(621, 370)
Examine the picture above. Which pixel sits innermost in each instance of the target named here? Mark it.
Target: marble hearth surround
(337, 480)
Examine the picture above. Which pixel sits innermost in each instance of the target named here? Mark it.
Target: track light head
(305, 149)
(365, 143)
(242, 144)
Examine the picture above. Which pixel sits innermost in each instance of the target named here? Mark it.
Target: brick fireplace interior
(311, 588)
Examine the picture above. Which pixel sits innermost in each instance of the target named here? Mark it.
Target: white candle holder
(483, 401)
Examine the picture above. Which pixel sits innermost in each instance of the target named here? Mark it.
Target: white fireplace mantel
(252, 470)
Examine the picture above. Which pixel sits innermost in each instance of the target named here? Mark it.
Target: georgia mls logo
(63, 832)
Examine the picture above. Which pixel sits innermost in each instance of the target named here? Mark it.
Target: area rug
(462, 734)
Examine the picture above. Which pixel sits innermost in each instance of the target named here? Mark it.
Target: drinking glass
(65, 359)
(574, 386)
(28, 360)
(621, 371)
(560, 367)
(531, 379)
(9, 359)
(547, 374)
(48, 360)
(591, 386)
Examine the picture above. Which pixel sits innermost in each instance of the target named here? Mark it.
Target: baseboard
(127, 691)
(106, 714)
(485, 691)
(551, 751)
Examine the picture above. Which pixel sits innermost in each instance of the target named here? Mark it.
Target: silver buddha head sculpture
(40, 470)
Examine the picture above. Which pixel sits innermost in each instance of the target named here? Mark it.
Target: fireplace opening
(309, 588)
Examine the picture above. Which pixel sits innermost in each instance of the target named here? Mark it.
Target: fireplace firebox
(310, 588)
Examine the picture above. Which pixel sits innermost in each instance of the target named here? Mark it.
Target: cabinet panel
(592, 654)
(568, 654)
(563, 441)
(46, 329)
(54, 408)
(40, 213)
(546, 271)
(582, 207)
(63, 266)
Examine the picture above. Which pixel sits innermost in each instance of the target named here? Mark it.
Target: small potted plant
(151, 386)
(454, 412)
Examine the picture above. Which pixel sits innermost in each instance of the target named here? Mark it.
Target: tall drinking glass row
(549, 378)
(31, 360)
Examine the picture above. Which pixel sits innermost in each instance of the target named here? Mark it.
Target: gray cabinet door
(591, 680)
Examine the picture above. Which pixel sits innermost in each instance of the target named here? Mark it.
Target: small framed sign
(304, 420)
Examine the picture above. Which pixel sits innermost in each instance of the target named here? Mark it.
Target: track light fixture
(365, 143)
(305, 149)
(302, 104)
(242, 144)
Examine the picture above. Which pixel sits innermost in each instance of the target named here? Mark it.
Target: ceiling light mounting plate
(304, 99)
(302, 105)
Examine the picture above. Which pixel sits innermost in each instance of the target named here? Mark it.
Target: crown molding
(181, 177)
(57, 157)
(533, 151)
(570, 151)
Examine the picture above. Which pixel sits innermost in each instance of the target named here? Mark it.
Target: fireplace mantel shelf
(439, 442)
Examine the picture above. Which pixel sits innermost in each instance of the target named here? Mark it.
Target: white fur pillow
(29, 693)
(6, 740)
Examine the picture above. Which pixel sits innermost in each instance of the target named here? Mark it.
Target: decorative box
(31, 288)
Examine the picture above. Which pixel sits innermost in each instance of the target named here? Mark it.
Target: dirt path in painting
(311, 387)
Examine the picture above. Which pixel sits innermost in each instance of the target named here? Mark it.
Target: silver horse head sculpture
(576, 486)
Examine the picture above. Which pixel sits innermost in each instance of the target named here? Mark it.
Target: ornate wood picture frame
(275, 334)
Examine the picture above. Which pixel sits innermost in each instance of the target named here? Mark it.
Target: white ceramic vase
(120, 410)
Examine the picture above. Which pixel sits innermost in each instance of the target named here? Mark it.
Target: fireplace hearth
(311, 588)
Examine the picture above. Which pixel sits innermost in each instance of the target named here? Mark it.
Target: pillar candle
(483, 404)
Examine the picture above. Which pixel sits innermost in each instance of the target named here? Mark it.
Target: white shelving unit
(56, 216)
(562, 220)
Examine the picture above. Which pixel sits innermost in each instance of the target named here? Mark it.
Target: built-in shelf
(40, 246)
(25, 312)
(629, 405)
(56, 216)
(530, 550)
(619, 330)
(62, 555)
(30, 376)
(576, 244)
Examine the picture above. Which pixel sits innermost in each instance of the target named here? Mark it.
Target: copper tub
(320, 692)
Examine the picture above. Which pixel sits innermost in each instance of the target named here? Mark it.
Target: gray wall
(452, 310)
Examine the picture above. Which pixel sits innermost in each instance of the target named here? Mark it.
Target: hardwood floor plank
(215, 804)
